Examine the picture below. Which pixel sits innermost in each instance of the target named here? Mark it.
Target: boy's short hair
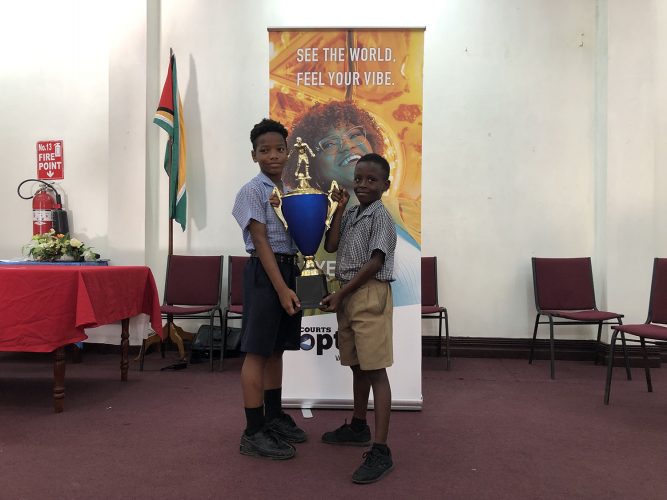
(378, 160)
(265, 126)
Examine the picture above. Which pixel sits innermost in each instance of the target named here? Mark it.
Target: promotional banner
(345, 93)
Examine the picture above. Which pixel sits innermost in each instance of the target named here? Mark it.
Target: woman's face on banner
(338, 152)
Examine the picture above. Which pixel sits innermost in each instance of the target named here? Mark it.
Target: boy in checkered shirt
(365, 238)
(271, 309)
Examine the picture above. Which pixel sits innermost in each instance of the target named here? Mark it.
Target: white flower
(74, 243)
(89, 255)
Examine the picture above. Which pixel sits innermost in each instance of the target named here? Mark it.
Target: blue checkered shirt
(360, 235)
(252, 202)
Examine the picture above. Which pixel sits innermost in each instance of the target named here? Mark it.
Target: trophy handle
(333, 205)
(279, 208)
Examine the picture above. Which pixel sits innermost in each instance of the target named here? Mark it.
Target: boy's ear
(387, 184)
(252, 153)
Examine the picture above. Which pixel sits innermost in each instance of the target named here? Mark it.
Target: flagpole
(175, 333)
(171, 219)
(171, 236)
(167, 117)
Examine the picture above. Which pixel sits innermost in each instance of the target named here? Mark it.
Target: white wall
(660, 110)
(508, 150)
(539, 117)
(636, 181)
(128, 114)
(54, 78)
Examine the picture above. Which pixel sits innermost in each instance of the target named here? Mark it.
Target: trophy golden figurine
(307, 213)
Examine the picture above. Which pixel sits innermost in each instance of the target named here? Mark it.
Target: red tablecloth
(46, 307)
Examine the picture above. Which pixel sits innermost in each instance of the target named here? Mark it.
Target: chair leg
(210, 343)
(223, 324)
(552, 348)
(647, 370)
(610, 367)
(223, 346)
(626, 358)
(532, 342)
(449, 359)
(597, 344)
(440, 334)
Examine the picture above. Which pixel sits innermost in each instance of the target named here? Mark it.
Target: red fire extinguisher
(47, 209)
(43, 204)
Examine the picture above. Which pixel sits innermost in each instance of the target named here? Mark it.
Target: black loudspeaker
(201, 343)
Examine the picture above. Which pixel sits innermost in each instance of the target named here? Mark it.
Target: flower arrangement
(56, 246)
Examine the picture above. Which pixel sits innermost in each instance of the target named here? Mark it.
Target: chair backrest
(193, 280)
(429, 281)
(657, 312)
(563, 284)
(235, 267)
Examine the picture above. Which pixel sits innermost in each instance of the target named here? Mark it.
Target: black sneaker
(346, 435)
(285, 427)
(265, 443)
(376, 465)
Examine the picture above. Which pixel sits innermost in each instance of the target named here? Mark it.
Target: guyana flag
(169, 116)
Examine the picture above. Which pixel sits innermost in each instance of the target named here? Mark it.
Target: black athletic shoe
(376, 465)
(285, 427)
(346, 435)
(265, 443)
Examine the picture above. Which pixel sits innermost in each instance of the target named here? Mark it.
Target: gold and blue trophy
(307, 213)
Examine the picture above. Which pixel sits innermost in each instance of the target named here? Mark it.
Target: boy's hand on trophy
(289, 301)
(274, 200)
(341, 196)
(331, 302)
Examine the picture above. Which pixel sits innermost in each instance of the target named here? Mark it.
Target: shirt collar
(265, 179)
(370, 209)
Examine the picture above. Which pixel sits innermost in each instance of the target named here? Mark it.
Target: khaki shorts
(365, 327)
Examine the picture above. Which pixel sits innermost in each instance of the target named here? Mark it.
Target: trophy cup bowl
(307, 213)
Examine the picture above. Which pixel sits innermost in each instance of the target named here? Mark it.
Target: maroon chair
(430, 307)
(657, 313)
(192, 290)
(564, 289)
(234, 310)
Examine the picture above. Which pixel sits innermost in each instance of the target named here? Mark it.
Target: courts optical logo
(318, 337)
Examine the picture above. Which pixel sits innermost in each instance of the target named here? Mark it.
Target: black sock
(383, 448)
(273, 403)
(358, 424)
(254, 420)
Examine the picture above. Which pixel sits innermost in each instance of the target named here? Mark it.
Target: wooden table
(45, 308)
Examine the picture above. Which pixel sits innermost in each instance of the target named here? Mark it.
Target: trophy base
(311, 290)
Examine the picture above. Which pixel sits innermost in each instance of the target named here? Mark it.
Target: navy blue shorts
(267, 328)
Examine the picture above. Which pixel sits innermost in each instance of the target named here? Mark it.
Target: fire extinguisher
(47, 211)
(43, 204)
